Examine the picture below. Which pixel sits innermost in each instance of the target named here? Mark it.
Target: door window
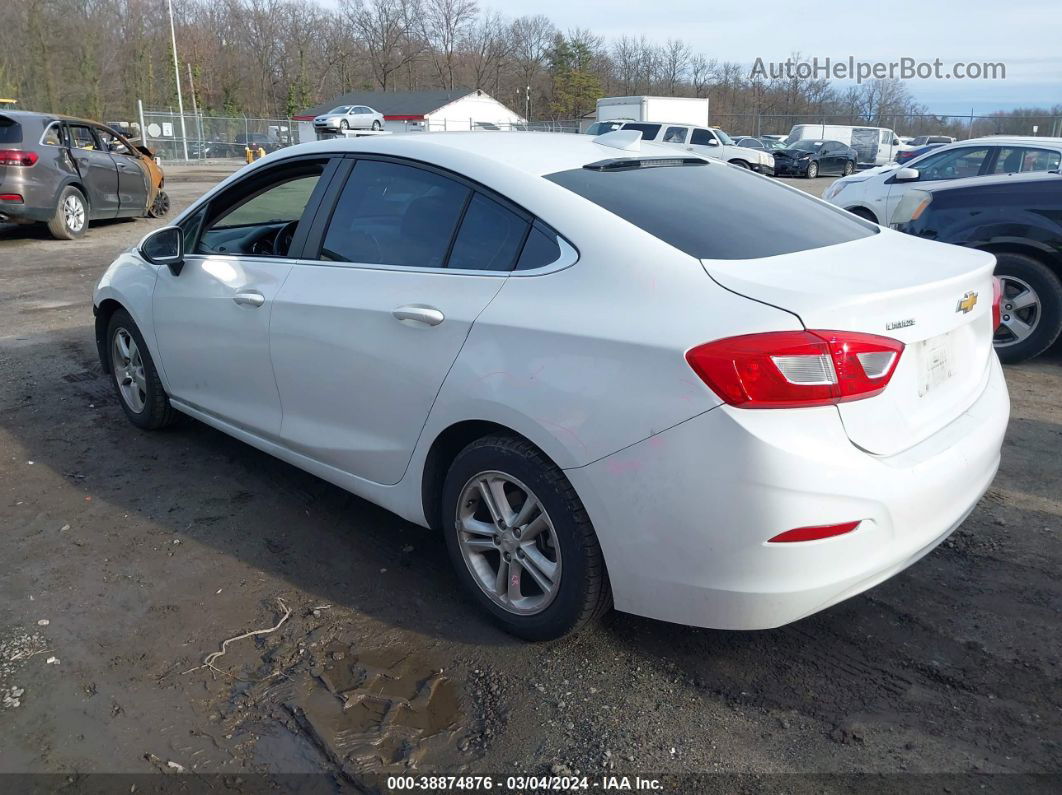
(112, 143)
(393, 214)
(1015, 160)
(258, 216)
(81, 137)
(886, 137)
(675, 135)
(648, 131)
(490, 237)
(954, 164)
(701, 137)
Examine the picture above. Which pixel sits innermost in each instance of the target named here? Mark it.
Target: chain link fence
(967, 126)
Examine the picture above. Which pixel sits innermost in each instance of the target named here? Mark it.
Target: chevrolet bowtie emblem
(967, 302)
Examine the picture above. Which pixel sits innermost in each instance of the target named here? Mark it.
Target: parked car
(906, 155)
(810, 158)
(707, 141)
(875, 146)
(923, 140)
(1017, 217)
(350, 117)
(766, 144)
(675, 434)
(67, 172)
(875, 193)
(268, 142)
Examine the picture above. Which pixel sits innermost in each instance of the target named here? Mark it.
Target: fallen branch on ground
(208, 661)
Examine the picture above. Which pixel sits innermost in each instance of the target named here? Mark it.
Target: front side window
(258, 217)
(1016, 160)
(81, 137)
(953, 164)
(393, 214)
(111, 142)
(886, 137)
(714, 212)
(701, 137)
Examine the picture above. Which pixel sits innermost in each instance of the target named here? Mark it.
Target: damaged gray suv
(66, 172)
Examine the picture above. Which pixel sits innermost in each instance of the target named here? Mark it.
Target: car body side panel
(131, 282)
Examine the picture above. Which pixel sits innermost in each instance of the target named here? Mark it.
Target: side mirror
(164, 247)
(906, 175)
(713, 142)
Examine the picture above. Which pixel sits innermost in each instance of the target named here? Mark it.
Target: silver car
(350, 117)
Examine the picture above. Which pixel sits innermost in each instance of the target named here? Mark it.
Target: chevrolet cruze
(607, 372)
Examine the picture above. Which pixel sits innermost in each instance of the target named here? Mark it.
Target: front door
(364, 332)
(98, 172)
(212, 319)
(966, 161)
(133, 185)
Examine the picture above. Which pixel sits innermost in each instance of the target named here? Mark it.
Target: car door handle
(251, 298)
(427, 315)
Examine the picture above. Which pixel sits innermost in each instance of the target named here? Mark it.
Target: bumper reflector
(814, 533)
(11, 197)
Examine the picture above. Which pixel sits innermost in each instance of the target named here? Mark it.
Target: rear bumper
(684, 516)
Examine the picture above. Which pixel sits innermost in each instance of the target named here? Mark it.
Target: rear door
(97, 169)
(366, 328)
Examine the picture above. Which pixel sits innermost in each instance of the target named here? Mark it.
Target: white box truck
(683, 110)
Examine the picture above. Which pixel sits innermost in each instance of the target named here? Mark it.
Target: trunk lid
(935, 298)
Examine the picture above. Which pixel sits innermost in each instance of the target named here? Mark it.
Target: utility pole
(195, 110)
(177, 78)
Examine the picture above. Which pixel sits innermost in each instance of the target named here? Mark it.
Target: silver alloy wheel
(73, 213)
(508, 542)
(128, 369)
(813, 170)
(1019, 312)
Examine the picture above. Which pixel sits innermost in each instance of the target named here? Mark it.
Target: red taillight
(17, 157)
(11, 197)
(785, 369)
(997, 296)
(814, 533)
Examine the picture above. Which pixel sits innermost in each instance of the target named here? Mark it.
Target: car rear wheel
(1030, 307)
(376, 125)
(161, 206)
(343, 124)
(520, 540)
(813, 170)
(849, 167)
(135, 378)
(71, 215)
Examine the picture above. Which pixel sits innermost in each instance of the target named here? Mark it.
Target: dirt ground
(130, 556)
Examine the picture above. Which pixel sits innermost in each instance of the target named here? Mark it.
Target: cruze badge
(899, 324)
(967, 302)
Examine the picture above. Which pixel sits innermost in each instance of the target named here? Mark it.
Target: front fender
(129, 282)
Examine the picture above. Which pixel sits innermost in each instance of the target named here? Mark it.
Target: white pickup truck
(707, 141)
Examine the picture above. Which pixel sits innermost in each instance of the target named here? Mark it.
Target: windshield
(807, 145)
(340, 110)
(713, 212)
(771, 144)
(726, 139)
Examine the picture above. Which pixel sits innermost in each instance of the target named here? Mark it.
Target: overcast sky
(1024, 34)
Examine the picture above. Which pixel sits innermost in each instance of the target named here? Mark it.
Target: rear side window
(715, 211)
(648, 131)
(10, 131)
(490, 237)
(53, 136)
(541, 249)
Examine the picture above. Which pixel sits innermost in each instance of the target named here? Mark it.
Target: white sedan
(350, 117)
(604, 371)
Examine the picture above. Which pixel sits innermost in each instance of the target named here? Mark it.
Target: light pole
(177, 78)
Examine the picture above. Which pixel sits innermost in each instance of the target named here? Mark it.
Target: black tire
(156, 411)
(161, 206)
(863, 213)
(849, 167)
(813, 170)
(739, 163)
(583, 593)
(376, 125)
(1047, 323)
(62, 225)
(343, 124)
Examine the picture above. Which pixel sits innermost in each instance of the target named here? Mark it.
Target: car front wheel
(813, 170)
(343, 124)
(135, 378)
(520, 540)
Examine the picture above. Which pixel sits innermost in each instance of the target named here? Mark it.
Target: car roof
(988, 180)
(1025, 140)
(535, 153)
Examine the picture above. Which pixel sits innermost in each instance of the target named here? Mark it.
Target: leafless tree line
(277, 57)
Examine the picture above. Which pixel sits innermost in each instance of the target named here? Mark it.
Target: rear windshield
(716, 211)
(10, 131)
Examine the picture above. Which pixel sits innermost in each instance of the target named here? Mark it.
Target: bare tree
(443, 24)
(384, 26)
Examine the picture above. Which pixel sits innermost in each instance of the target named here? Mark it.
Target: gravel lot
(128, 557)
